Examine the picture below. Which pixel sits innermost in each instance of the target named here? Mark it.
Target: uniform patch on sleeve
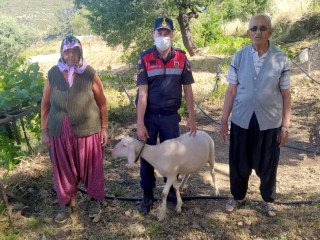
(139, 67)
(139, 71)
(188, 66)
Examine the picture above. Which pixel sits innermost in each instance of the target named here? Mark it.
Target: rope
(215, 121)
(139, 155)
(125, 90)
(284, 202)
(305, 72)
(209, 197)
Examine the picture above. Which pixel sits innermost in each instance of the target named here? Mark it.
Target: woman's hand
(104, 136)
(45, 139)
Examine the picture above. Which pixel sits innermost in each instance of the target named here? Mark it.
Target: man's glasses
(261, 28)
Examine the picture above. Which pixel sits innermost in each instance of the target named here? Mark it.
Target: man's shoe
(172, 197)
(147, 203)
(63, 214)
(94, 208)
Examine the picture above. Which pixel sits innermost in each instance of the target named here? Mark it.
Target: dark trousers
(167, 127)
(253, 149)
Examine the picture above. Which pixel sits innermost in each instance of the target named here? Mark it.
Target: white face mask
(162, 43)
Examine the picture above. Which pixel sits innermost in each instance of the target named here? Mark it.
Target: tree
(79, 24)
(243, 9)
(130, 21)
(188, 9)
(14, 38)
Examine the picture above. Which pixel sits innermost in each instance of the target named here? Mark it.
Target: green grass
(157, 230)
(118, 191)
(2, 208)
(35, 223)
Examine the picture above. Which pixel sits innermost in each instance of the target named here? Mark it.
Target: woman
(74, 124)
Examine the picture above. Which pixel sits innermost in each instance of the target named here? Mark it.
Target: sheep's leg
(179, 200)
(213, 176)
(163, 207)
(184, 180)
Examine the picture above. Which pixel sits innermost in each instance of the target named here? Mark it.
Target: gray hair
(265, 16)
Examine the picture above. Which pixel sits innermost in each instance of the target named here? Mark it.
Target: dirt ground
(298, 189)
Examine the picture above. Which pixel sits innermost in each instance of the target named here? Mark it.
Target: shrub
(21, 87)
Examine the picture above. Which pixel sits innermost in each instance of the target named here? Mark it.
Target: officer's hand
(191, 126)
(142, 132)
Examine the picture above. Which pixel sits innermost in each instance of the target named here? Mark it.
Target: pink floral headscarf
(68, 43)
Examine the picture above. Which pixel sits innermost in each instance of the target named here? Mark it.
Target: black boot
(147, 202)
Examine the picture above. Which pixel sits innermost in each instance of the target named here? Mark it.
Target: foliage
(2, 207)
(208, 28)
(228, 44)
(48, 19)
(14, 38)
(79, 24)
(125, 22)
(63, 27)
(306, 27)
(119, 109)
(20, 87)
(315, 5)
(38, 14)
(9, 151)
(243, 9)
(130, 22)
(70, 22)
(217, 95)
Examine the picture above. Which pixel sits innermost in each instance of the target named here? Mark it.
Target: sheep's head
(125, 148)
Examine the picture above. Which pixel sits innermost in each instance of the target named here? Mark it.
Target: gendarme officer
(162, 73)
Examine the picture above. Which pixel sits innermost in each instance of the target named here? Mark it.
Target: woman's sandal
(270, 209)
(233, 204)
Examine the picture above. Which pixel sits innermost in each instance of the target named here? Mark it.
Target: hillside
(39, 14)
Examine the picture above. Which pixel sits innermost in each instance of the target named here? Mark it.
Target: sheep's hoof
(178, 206)
(161, 216)
(178, 209)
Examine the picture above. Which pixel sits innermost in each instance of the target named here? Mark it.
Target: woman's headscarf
(68, 43)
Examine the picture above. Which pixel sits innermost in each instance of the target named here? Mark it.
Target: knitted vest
(259, 93)
(77, 102)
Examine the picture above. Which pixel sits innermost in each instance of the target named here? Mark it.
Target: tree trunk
(5, 200)
(187, 38)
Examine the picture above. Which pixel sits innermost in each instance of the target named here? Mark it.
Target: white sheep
(183, 155)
